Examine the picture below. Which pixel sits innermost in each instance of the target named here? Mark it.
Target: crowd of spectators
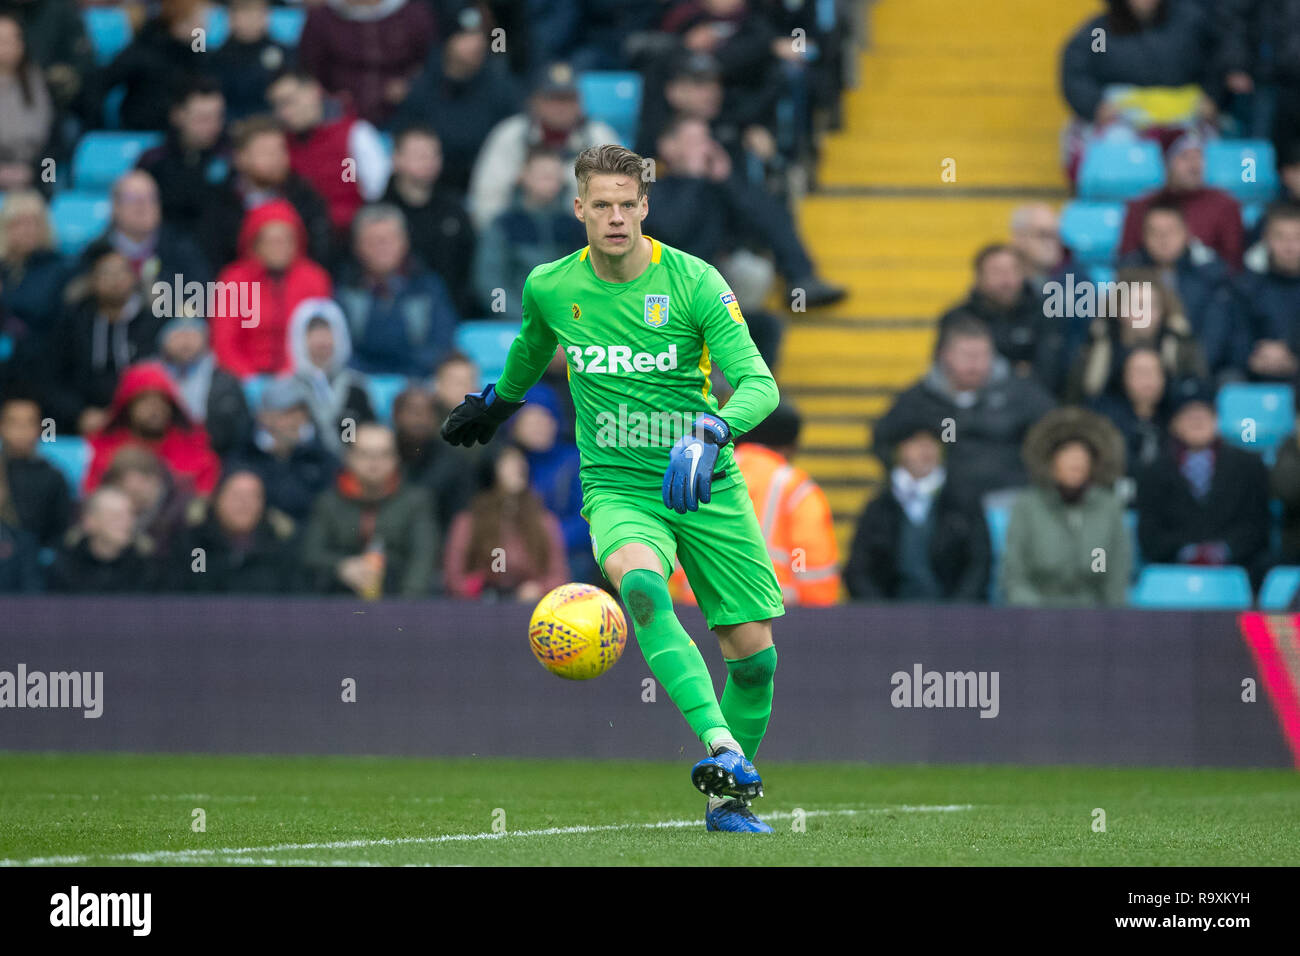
(1075, 424)
(401, 169)
(396, 171)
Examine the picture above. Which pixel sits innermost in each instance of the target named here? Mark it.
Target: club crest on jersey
(733, 307)
(656, 311)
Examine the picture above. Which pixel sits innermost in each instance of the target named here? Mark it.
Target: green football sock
(675, 662)
(747, 698)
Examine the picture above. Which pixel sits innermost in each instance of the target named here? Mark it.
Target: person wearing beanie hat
(923, 538)
(1213, 216)
(209, 393)
(286, 450)
(1204, 501)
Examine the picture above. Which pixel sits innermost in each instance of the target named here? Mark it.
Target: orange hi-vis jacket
(796, 521)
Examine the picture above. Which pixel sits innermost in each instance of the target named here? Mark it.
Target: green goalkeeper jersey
(639, 356)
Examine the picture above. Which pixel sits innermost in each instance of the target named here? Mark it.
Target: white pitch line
(184, 856)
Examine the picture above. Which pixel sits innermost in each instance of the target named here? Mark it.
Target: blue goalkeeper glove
(477, 418)
(689, 479)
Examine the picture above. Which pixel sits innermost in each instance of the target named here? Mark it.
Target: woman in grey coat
(1066, 542)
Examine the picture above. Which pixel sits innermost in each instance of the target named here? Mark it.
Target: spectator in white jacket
(320, 346)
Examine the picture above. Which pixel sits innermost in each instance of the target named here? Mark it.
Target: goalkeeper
(640, 324)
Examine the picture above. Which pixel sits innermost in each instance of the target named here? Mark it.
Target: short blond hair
(614, 159)
(25, 202)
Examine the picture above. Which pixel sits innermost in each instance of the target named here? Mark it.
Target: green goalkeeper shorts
(721, 547)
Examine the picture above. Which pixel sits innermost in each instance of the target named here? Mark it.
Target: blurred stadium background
(889, 186)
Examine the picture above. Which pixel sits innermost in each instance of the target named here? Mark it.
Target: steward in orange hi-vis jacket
(792, 511)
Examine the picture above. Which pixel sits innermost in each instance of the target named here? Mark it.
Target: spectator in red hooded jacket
(147, 412)
(271, 277)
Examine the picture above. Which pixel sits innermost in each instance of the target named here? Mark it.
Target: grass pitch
(112, 809)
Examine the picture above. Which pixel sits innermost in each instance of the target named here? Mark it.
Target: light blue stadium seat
(1252, 213)
(78, 219)
(1271, 409)
(254, 386)
(487, 342)
(1131, 526)
(1092, 230)
(1118, 171)
(1100, 274)
(383, 390)
(1226, 167)
(285, 24)
(1279, 588)
(1174, 586)
(998, 518)
(101, 157)
(109, 29)
(614, 97)
(71, 455)
(218, 27)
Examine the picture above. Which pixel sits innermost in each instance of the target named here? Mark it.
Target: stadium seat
(1228, 161)
(285, 24)
(1131, 526)
(218, 27)
(1091, 230)
(1252, 213)
(71, 455)
(1102, 274)
(254, 386)
(78, 219)
(101, 157)
(997, 517)
(487, 342)
(109, 29)
(383, 390)
(1174, 586)
(1279, 588)
(613, 97)
(1266, 410)
(1120, 171)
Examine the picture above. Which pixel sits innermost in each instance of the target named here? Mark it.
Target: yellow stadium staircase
(964, 85)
